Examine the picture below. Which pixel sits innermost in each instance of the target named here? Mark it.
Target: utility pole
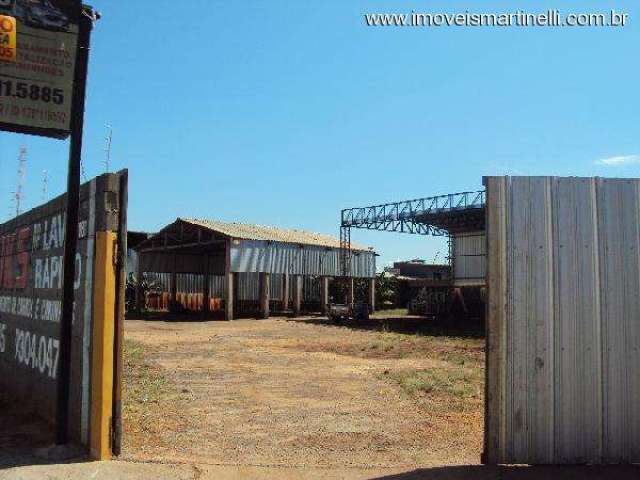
(107, 149)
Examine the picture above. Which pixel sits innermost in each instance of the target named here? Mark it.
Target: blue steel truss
(408, 216)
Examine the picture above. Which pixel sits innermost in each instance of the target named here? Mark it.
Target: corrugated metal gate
(563, 346)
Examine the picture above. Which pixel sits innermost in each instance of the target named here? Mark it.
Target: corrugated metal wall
(216, 286)
(182, 262)
(469, 258)
(260, 256)
(186, 284)
(311, 287)
(563, 367)
(248, 290)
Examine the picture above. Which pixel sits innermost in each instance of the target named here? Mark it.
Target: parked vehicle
(36, 13)
(358, 311)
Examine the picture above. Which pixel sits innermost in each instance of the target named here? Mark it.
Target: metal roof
(247, 231)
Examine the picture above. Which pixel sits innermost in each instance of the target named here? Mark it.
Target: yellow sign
(7, 39)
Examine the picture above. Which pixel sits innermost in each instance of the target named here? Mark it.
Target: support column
(206, 294)
(350, 291)
(264, 294)
(228, 282)
(297, 295)
(104, 289)
(372, 294)
(285, 292)
(228, 291)
(173, 294)
(324, 294)
(140, 300)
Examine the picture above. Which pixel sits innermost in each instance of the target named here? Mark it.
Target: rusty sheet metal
(569, 352)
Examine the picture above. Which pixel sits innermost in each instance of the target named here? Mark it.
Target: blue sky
(284, 112)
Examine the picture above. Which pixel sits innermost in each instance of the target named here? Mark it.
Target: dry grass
(456, 380)
(449, 391)
(150, 401)
(385, 344)
(449, 388)
(390, 313)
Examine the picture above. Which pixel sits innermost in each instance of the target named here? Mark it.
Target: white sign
(36, 88)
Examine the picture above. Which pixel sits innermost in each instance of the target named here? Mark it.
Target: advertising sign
(7, 38)
(31, 283)
(37, 69)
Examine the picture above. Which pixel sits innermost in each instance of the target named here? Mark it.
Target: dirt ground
(299, 394)
(283, 399)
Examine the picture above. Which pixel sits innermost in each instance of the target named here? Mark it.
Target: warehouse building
(237, 269)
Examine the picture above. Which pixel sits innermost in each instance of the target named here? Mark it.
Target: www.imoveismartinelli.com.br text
(549, 18)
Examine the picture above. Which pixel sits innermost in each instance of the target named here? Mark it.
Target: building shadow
(409, 325)
(550, 472)
(175, 317)
(24, 437)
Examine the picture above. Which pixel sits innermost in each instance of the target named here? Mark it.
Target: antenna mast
(22, 173)
(45, 186)
(107, 148)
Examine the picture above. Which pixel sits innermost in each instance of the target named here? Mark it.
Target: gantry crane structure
(438, 216)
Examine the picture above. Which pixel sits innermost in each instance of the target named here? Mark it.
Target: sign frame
(85, 25)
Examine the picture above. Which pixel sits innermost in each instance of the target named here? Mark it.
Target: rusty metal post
(173, 295)
(297, 295)
(372, 294)
(206, 294)
(324, 294)
(285, 292)
(140, 297)
(229, 295)
(264, 294)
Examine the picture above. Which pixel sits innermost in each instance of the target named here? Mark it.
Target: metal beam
(403, 217)
(176, 247)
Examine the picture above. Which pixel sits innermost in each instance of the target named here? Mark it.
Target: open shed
(234, 268)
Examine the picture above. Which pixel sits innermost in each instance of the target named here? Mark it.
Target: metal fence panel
(578, 410)
(529, 358)
(619, 222)
(564, 387)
